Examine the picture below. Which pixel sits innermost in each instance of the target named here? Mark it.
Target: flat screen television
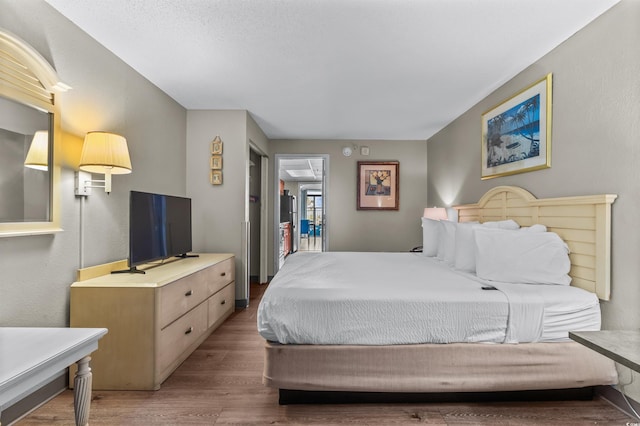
(159, 227)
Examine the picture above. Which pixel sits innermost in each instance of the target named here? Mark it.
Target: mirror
(29, 139)
(25, 178)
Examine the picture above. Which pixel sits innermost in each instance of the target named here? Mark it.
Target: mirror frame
(26, 77)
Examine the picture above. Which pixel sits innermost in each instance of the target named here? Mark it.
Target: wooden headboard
(583, 222)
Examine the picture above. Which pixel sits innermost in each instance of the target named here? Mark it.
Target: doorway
(311, 203)
(300, 204)
(257, 212)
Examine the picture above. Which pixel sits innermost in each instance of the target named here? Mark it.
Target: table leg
(82, 392)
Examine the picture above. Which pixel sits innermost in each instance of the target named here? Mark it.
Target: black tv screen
(159, 227)
(178, 226)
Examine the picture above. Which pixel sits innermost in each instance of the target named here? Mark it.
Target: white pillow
(465, 257)
(441, 238)
(447, 247)
(430, 236)
(534, 228)
(502, 224)
(522, 257)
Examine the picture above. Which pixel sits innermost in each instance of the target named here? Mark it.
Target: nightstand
(622, 346)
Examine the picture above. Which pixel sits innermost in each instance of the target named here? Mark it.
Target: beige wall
(221, 211)
(350, 229)
(218, 210)
(595, 148)
(107, 94)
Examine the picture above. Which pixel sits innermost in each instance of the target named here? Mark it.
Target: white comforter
(406, 298)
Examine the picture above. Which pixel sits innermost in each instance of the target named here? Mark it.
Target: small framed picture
(216, 146)
(378, 185)
(216, 177)
(216, 162)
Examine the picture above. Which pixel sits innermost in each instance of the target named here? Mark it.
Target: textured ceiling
(332, 69)
(301, 169)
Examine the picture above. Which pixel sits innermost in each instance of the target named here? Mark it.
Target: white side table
(32, 357)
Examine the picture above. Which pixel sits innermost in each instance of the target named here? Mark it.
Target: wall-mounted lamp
(435, 213)
(38, 154)
(104, 153)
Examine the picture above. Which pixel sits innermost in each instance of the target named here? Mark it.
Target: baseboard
(615, 398)
(33, 401)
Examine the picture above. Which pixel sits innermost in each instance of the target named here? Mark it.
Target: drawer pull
(189, 330)
(224, 274)
(223, 302)
(189, 293)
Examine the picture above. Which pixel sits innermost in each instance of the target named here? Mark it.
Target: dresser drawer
(176, 338)
(181, 296)
(220, 275)
(221, 303)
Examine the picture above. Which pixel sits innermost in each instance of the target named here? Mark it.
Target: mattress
(362, 298)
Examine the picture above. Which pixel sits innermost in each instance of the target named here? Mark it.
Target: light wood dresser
(155, 320)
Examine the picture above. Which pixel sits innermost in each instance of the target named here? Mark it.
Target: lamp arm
(83, 184)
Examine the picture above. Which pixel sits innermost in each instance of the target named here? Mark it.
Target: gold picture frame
(216, 177)
(216, 146)
(216, 162)
(516, 134)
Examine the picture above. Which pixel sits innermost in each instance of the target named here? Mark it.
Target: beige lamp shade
(104, 153)
(435, 213)
(38, 154)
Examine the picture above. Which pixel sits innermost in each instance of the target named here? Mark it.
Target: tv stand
(131, 270)
(186, 255)
(155, 320)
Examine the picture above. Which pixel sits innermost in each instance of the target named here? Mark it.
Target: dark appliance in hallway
(289, 213)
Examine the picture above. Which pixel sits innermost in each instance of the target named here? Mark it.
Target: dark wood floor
(221, 384)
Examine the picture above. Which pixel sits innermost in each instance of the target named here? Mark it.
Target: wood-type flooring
(221, 384)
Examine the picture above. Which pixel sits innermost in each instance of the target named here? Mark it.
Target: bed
(365, 323)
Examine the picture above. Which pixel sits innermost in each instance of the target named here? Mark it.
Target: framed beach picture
(516, 135)
(378, 185)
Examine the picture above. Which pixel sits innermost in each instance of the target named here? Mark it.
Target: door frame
(264, 219)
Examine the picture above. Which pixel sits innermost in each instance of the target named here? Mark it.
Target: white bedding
(405, 298)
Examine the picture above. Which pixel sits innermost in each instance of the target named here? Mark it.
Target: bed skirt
(456, 367)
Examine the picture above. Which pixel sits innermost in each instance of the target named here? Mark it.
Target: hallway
(310, 243)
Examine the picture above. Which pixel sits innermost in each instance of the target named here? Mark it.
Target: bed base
(456, 369)
(293, 397)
